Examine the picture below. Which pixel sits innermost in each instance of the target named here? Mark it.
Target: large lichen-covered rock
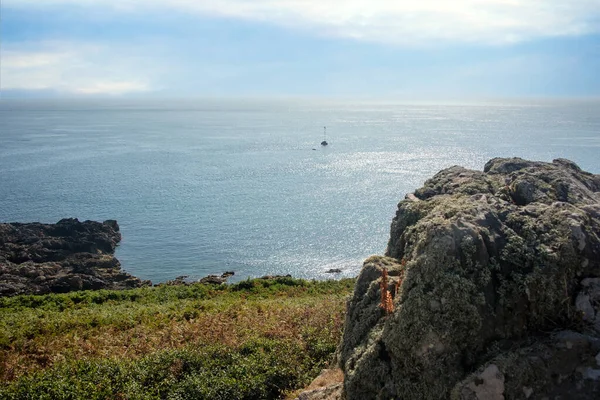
(485, 259)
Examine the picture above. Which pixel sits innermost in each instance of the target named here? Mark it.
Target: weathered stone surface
(485, 260)
(561, 366)
(57, 258)
(587, 302)
(488, 384)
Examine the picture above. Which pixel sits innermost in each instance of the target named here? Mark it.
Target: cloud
(403, 22)
(111, 87)
(71, 68)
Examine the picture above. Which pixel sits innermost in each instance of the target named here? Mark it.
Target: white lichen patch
(430, 344)
(590, 373)
(489, 385)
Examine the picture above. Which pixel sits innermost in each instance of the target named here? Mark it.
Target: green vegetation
(258, 339)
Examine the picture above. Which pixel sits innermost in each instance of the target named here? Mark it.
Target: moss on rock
(485, 258)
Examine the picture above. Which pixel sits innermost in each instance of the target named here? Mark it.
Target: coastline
(489, 288)
(70, 255)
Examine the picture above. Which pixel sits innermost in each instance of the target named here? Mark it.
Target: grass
(258, 339)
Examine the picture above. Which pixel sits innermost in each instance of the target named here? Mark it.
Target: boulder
(70, 255)
(482, 266)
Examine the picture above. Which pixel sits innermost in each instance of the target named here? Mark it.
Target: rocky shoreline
(70, 255)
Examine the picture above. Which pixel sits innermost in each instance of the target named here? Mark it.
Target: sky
(388, 49)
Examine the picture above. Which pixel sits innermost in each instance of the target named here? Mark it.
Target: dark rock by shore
(70, 255)
(495, 285)
(207, 280)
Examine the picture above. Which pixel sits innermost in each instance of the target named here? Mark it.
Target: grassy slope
(257, 339)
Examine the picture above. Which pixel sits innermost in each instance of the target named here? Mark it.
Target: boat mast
(324, 142)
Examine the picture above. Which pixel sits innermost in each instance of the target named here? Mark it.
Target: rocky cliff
(55, 258)
(495, 285)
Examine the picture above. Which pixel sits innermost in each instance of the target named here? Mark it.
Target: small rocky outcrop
(185, 280)
(70, 255)
(495, 279)
(216, 279)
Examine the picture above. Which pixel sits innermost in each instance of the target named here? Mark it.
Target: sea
(203, 186)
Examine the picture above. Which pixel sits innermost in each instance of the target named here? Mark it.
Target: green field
(258, 339)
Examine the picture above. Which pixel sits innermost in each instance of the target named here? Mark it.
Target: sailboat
(324, 142)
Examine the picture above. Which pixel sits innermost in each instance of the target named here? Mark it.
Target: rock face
(496, 290)
(56, 258)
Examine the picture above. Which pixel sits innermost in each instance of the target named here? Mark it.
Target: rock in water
(56, 258)
(486, 265)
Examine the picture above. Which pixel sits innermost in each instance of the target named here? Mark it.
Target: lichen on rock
(487, 259)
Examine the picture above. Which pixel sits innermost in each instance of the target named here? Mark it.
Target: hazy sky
(424, 49)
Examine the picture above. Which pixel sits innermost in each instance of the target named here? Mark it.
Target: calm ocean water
(201, 187)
